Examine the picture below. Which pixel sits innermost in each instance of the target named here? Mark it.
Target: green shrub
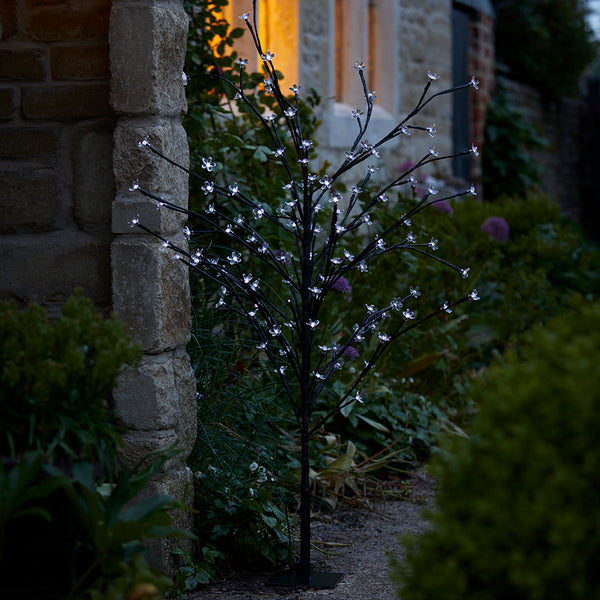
(56, 380)
(242, 470)
(64, 506)
(518, 509)
(83, 534)
(529, 279)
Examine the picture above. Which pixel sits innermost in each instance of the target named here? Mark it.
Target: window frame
(358, 23)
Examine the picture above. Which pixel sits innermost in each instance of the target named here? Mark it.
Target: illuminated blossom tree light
(316, 219)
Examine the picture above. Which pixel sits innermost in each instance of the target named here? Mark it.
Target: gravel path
(356, 541)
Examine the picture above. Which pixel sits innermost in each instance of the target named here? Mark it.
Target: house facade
(317, 42)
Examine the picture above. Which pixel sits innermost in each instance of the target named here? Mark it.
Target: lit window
(364, 31)
(278, 31)
(278, 28)
(355, 41)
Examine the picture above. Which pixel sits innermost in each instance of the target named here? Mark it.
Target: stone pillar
(150, 290)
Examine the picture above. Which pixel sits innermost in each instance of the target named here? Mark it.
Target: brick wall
(482, 64)
(561, 124)
(55, 150)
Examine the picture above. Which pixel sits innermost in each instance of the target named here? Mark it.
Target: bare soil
(352, 541)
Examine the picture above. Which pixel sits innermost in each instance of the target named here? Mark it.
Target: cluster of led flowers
(318, 218)
(321, 260)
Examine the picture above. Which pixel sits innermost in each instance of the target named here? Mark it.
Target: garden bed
(352, 541)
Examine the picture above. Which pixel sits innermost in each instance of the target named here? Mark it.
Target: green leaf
(261, 153)
(347, 408)
(269, 521)
(374, 424)
(25, 484)
(419, 364)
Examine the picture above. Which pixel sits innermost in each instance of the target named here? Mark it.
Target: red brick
(73, 101)
(8, 19)
(22, 63)
(9, 100)
(84, 21)
(475, 65)
(19, 143)
(80, 61)
(29, 200)
(52, 265)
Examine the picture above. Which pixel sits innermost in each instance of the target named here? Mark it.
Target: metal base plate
(317, 580)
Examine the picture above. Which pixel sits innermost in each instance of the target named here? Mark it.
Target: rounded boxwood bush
(518, 508)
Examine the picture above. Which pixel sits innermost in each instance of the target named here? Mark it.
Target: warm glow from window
(278, 30)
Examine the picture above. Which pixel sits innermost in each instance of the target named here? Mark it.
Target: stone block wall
(426, 45)
(150, 291)
(81, 83)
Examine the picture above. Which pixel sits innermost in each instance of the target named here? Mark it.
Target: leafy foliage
(508, 165)
(242, 469)
(533, 276)
(112, 527)
(195, 571)
(546, 43)
(64, 505)
(518, 500)
(527, 280)
(86, 532)
(56, 379)
(21, 494)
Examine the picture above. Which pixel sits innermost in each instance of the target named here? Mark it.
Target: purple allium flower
(497, 228)
(341, 285)
(406, 166)
(444, 207)
(351, 353)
